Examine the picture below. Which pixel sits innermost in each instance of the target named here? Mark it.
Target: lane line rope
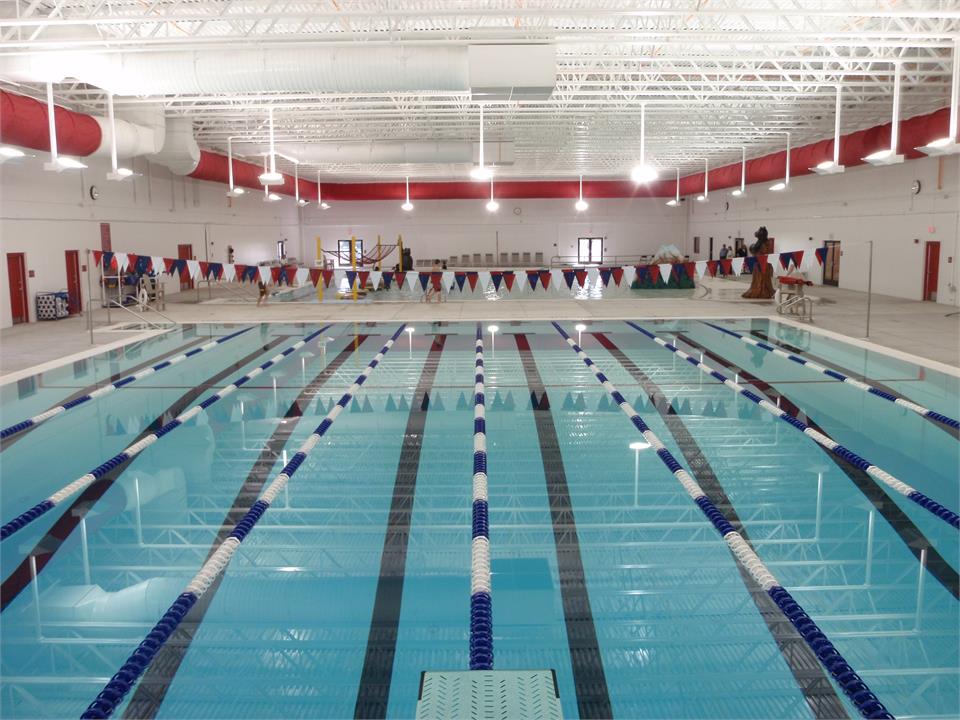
(481, 611)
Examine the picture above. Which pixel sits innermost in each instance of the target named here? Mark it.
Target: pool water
(358, 577)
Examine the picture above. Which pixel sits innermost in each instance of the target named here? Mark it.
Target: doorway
(831, 263)
(931, 269)
(17, 274)
(711, 250)
(74, 299)
(185, 252)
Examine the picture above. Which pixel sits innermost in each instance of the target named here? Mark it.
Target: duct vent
(501, 73)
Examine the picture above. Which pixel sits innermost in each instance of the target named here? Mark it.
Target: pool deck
(927, 330)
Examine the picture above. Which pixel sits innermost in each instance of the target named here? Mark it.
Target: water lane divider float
(481, 611)
(852, 684)
(27, 517)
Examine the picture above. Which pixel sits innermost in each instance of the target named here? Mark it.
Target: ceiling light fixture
(785, 183)
(302, 202)
(951, 143)
(832, 167)
(233, 191)
(493, 205)
(889, 156)
(267, 195)
(705, 198)
(10, 153)
(581, 204)
(323, 205)
(407, 206)
(481, 173)
(271, 177)
(742, 190)
(674, 202)
(58, 163)
(643, 173)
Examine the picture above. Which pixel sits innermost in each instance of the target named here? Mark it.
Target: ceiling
(715, 75)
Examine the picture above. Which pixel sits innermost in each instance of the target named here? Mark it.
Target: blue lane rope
(861, 463)
(846, 379)
(481, 611)
(27, 517)
(106, 389)
(121, 683)
(852, 684)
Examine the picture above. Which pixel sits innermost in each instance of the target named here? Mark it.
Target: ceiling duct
(503, 73)
(390, 152)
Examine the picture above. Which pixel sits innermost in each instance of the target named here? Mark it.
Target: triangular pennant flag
(545, 279)
(785, 258)
(617, 274)
(157, 265)
(727, 265)
(557, 279)
(472, 277)
(315, 276)
(229, 272)
(448, 280)
(581, 276)
(387, 279)
(604, 275)
(132, 261)
(701, 266)
(264, 274)
(204, 269)
(275, 275)
(142, 265)
(798, 258)
(762, 262)
(483, 280)
(401, 278)
(629, 274)
(97, 257)
(568, 278)
(711, 268)
(508, 278)
(665, 270)
(180, 268)
(375, 277)
(291, 273)
(326, 276)
(339, 278)
(303, 276)
(216, 269)
(363, 275)
(351, 278)
(751, 263)
(461, 278)
(593, 274)
(497, 278)
(108, 260)
(121, 261)
(736, 266)
(821, 255)
(424, 278)
(241, 271)
(691, 268)
(532, 277)
(654, 273)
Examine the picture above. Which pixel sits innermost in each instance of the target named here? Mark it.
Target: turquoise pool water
(631, 596)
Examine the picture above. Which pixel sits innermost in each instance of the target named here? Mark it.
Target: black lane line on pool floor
(908, 532)
(851, 373)
(7, 442)
(153, 687)
(589, 678)
(373, 692)
(53, 540)
(813, 682)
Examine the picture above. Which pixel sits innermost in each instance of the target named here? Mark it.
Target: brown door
(185, 252)
(831, 263)
(17, 274)
(931, 270)
(75, 301)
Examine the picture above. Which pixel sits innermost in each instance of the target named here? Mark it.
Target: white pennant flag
(665, 270)
(629, 274)
(483, 280)
(701, 268)
(303, 276)
(264, 273)
(121, 259)
(520, 281)
(229, 272)
(193, 268)
(375, 276)
(447, 279)
(738, 265)
(593, 276)
(556, 280)
(158, 264)
(339, 276)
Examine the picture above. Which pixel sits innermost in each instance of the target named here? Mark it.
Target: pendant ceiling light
(493, 205)
(481, 173)
(581, 204)
(268, 196)
(785, 183)
(407, 206)
(234, 191)
(643, 173)
(58, 163)
(832, 167)
(116, 173)
(742, 190)
(271, 176)
(951, 143)
(890, 155)
(302, 202)
(705, 198)
(320, 201)
(675, 201)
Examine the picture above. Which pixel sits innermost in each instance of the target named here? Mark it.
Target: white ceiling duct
(139, 132)
(399, 152)
(180, 151)
(316, 69)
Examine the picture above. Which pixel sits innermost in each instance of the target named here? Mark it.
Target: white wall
(441, 228)
(864, 203)
(42, 214)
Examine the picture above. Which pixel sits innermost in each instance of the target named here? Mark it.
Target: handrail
(111, 302)
(612, 260)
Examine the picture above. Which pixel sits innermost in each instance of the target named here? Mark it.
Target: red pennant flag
(290, 273)
(581, 276)
(327, 277)
(275, 275)
(797, 258)
(654, 273)
(204, 269)
(727, 266)
(400, 277)
(363, 275)
(168, 265)
(97, 255)
(315, 274)
(762, 259)
(131, 262)
(691, 268)
(617, 275)
(545, 278)
(712, 268)
(508, 278)
(472, 277)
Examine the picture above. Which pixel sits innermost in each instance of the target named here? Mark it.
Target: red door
(17, 273)
(73, 281)
(185, 252)
(931, 270)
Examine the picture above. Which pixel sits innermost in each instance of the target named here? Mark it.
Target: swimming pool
(358, 578)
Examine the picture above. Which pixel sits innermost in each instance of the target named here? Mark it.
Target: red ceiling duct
(23, 122)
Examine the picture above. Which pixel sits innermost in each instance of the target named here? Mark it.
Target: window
(696, 244)
(590, 250)
(343, 252)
